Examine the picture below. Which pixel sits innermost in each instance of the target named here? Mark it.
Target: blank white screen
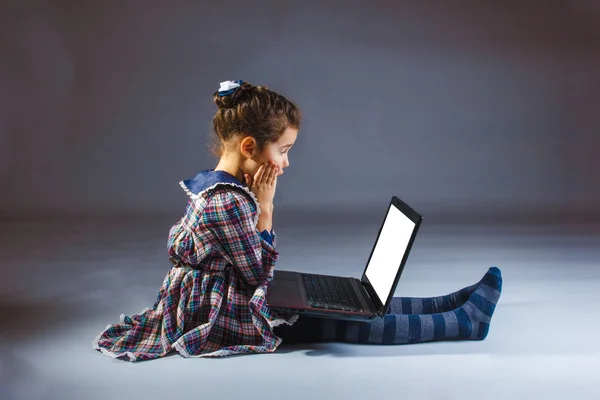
(389, 250)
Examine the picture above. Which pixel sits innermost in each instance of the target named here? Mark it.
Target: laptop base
(286, 293)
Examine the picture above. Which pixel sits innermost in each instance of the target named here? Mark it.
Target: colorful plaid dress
(213, 300)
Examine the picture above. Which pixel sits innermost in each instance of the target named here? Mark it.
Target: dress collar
(209, 179)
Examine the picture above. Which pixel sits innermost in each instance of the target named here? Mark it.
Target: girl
(223, 250)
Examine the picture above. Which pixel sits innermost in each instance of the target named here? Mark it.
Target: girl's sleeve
(269, 237)
(229, 215)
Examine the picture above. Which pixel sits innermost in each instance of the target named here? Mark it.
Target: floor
(63, 282)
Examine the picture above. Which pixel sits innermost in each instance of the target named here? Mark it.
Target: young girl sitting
(223, 252)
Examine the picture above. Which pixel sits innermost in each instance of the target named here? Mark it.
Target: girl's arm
(265, 219)
(229, 216)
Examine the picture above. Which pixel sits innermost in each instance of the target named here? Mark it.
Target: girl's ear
(248, 147)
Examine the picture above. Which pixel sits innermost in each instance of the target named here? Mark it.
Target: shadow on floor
(369, 350)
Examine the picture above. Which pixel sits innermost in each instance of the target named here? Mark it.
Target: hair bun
(238, 96)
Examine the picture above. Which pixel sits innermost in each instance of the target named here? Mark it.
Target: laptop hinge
(371, 302)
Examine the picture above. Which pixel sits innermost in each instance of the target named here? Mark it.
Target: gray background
(482, 115)
(490, 108)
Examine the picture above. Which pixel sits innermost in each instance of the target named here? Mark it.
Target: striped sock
(463, 315)
(431, 305)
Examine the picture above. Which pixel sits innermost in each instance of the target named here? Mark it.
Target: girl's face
(278, 151)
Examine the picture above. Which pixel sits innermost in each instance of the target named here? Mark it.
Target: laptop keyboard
(329, 292)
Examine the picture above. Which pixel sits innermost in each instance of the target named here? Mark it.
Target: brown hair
(254, 111)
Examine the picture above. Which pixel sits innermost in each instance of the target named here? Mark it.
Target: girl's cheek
(276, 160)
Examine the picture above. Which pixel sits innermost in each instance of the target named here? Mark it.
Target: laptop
(351, 298)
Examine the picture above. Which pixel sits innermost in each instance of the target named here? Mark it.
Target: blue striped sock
(431, 305)
(463, 315)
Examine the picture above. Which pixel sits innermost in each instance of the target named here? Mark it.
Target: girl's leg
(468, 320)
(431, 305)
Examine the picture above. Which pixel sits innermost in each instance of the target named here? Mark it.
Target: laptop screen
(388, 252)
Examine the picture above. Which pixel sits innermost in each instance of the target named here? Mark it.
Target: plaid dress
(213, 300)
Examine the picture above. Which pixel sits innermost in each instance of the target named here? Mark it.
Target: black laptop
(350, 298)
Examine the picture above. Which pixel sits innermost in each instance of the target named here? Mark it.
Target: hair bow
(229, 87)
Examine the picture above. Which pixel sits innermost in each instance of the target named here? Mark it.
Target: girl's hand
(264, 184)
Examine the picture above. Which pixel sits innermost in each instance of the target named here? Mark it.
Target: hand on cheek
(264, 183)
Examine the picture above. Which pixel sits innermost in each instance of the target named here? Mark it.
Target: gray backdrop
(472, 111)
(491, 107)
